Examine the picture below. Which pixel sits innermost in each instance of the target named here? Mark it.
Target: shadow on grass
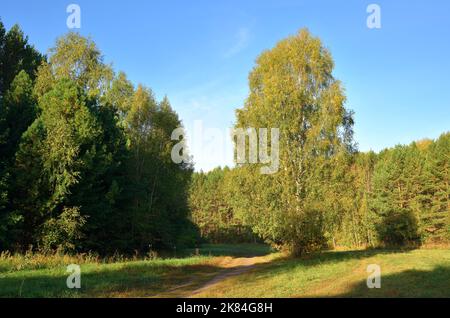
(157, 278)
(409, 283)
(129, 280)
(325, 257)
(133, 279)
(287, 264)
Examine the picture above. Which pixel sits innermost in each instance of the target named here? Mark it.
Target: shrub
(399, 228)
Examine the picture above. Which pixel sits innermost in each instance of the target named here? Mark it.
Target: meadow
(243, 270)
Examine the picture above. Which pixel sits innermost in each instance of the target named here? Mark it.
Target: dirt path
(235, 267)
(230, 267)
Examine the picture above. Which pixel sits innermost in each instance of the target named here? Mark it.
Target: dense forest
(84, 154)
(399, 196)
(326, 192)
(85, 161)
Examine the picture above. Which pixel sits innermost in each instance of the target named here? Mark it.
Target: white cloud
(242, 40)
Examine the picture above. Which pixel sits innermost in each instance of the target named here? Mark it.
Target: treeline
(85, 161)
(325, 193)
(396, 197)
(209, 202)
(85, 158)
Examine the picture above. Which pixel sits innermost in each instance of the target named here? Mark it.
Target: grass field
(233, 271)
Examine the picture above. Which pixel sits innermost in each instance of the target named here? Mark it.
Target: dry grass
(229, 271)
(44, 275)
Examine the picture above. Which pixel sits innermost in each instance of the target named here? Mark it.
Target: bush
(399, 228)
(62, 233)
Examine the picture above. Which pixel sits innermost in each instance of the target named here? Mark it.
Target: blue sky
(199, 53)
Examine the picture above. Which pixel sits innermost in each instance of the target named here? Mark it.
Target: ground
(235, 271)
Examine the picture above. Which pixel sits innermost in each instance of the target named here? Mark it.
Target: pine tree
(436, 195)
(18, 62)
(16, 55)
(209, 201)
(396, 188)
(69, 131)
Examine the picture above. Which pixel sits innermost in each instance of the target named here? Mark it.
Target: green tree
(18, 63)
(16, 54)
(159, 212)
(20, 111)
(69, 132)
(77, 148)
(76, 58)
(292, 88)
(396, 187)
(209, 201)
(435, 196)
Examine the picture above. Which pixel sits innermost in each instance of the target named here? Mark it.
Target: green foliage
(414, 178)
(85, 161)
(85, 157)
(16, 54)
(61, 142)
(292, 88)
(398, 228)
(435, 194)
(63, 232)
(326, 193)
(18, 113)
(355, 225)
(158, 211)
(18, 63)
(78, 59)
(209, 200)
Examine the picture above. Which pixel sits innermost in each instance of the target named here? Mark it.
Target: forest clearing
(304, 162)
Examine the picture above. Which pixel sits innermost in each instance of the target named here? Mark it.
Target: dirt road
(230, 267)
(235, 267)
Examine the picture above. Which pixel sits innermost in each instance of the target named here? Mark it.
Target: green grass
(133, 278)
(413, 273)
(238, 250)
(36, 275)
